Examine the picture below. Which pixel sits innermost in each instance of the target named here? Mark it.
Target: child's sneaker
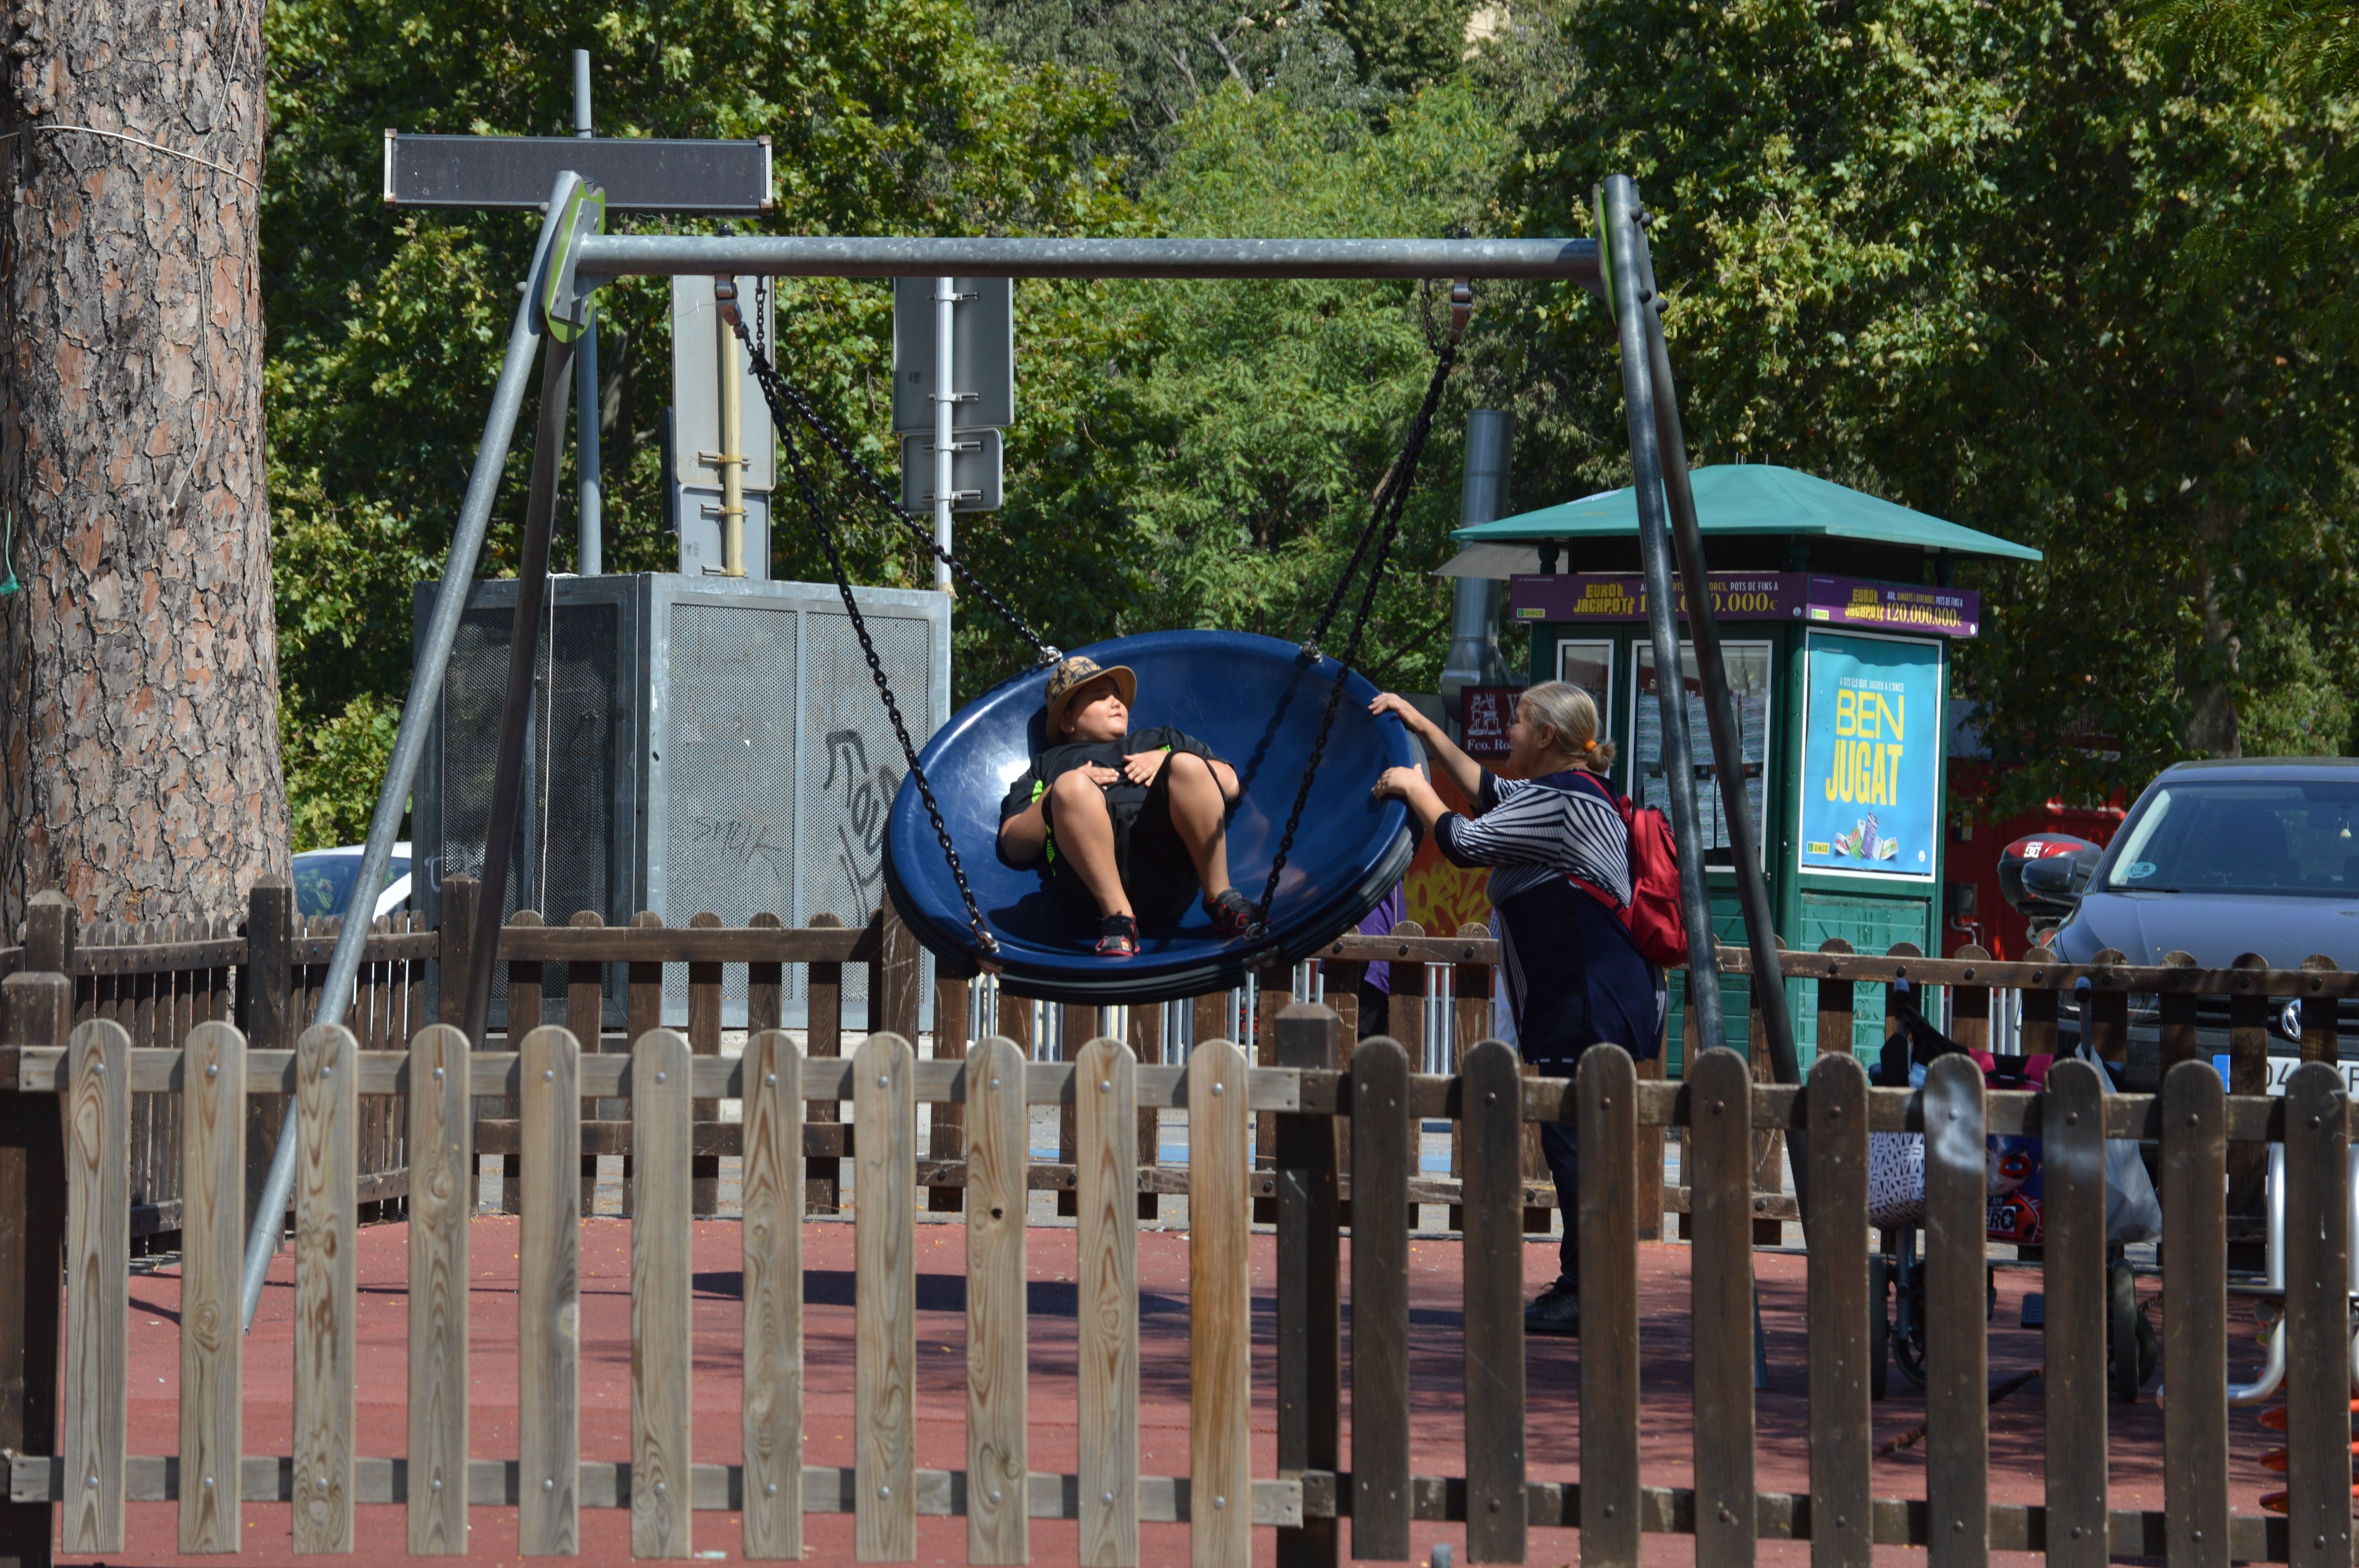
(1232, 915)
(1117, 936)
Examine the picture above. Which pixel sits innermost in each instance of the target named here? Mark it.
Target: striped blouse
(1534, 830)
(1571, 974)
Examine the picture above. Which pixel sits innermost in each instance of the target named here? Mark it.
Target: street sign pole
(945, 418)
(731, 459)
(589, 551)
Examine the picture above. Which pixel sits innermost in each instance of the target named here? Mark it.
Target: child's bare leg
(1199, 814)
(1084, 833)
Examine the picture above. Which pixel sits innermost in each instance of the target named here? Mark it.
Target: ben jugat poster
(1871, 748)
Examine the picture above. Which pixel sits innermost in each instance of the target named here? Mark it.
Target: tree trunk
(2212, 727)
(139, 770)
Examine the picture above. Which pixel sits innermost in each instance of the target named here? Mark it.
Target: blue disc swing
(1280, 712)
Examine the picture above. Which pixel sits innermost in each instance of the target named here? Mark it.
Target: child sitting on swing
(1128, 826)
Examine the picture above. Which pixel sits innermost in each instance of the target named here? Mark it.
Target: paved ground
(1553, 1371)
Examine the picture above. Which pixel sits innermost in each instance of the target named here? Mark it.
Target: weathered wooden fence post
(453, 942)
(823, 1037)
(1606, 1090)
(2317, 1321)
(1310, 1280)
(1841, 1521)
(35, 1009)
(704, 1040)
(2248, 1163)
(1490, 1094)
(948, 1136)
(1077, 1026)
(2072, 1275)
(269, 992)
(1381, 1120)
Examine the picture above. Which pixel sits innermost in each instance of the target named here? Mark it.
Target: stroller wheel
(1908, 1333)
(1879, 1327)
(2131, 1345)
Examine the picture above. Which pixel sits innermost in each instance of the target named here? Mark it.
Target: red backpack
(1657, 927)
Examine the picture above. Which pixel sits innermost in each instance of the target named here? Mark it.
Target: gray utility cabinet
(697, 746)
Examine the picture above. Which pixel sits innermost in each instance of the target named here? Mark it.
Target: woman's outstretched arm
(1463, 770)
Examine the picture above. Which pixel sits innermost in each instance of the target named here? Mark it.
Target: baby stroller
(1896, 1203)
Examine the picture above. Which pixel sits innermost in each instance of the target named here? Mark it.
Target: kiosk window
(1748, 681)
(1590, 666)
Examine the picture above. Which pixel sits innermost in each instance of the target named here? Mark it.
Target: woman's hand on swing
(1411, 786)
(1400, 707)
(1460, 769)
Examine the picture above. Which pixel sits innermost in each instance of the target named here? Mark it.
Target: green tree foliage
(1286, 403)
(1402, 44)
(1948, 253)
(387, 326)
(1164, 58)
(1968, 258)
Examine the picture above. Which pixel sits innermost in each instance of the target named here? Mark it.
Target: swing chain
(776, 389)
(1394, 490)
(984, 941)
(1382, 524)
(773, 387)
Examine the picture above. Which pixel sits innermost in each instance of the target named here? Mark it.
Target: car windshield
(323, 883)
(2247, 836)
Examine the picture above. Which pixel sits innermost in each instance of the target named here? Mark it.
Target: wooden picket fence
(1342, 1127)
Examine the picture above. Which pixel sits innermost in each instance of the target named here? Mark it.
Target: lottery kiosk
(1837, 613)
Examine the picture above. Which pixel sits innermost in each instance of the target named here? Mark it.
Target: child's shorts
(1154, 864)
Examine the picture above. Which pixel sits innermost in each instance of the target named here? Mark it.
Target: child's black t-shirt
(1123, 797)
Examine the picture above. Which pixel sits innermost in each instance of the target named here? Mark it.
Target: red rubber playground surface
(1553, 1374)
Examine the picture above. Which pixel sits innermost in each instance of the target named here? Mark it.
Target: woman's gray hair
(1566, 708)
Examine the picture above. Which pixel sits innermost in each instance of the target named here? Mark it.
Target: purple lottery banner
(1591, 597)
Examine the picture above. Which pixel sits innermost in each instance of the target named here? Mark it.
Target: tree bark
(2212, 721)
(139, 770)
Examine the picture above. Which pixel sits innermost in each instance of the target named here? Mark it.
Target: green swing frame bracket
(565, 292)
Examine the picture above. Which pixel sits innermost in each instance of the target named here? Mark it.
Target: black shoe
(1557, 1310)
(1117, 936)
(1231, 913)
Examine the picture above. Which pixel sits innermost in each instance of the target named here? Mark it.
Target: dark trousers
(1562, 1150)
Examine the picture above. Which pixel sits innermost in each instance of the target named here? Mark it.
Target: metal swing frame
(574, 258)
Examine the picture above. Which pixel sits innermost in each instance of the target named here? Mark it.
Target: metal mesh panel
(564, 855)
(853, 766)
(730, 825)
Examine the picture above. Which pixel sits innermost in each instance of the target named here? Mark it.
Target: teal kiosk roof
(1756, 498)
